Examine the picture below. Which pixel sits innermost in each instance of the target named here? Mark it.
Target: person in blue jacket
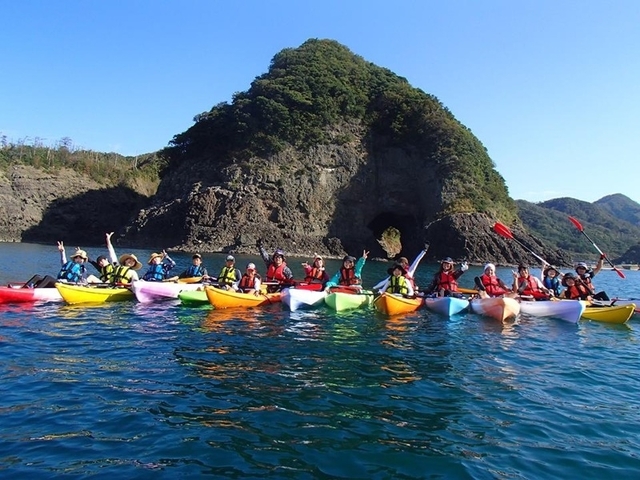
(350, 274)
(159, 266)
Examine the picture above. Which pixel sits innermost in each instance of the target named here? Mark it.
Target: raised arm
(113, 258)
(63, 256)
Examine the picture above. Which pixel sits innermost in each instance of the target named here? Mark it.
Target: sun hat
(397, 266)
(549, 268)
(349, 258)
(127, 256)
(582, 265)
(251, 266)
(403, 260)
(447, 260)
(230, 258)
(80, 253)
(154, 255)
(488, 265)
(196, 255)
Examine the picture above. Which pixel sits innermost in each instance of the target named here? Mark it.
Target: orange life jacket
(577, 291)
(247, 282)
(348, 277)
(276, 274)
(492, 285)
(447, 281)
(529, 286)
(316, 275)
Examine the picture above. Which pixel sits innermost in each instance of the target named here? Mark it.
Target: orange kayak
(390, 304)
(499, 308)
(220, 298)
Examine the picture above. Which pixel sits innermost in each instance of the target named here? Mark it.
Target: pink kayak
(147, 292)
(29, 295)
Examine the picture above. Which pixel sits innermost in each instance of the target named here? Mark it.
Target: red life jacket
(248, 283)
(492, 285)
(529, 286)
(316, 275)
(276, 274)
(447, 280)
(348, 277)
(577, 292)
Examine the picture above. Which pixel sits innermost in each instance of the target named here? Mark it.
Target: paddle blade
(620, 274)
(502, 230)
(576, 223)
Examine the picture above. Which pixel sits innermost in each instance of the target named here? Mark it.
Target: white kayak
(296, 298)
(500, 308)
(567, 310)
(447, 306)
(147, 292)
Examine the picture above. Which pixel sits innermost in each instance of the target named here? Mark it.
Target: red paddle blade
(503, 230)
(576, 223)
(620, 274)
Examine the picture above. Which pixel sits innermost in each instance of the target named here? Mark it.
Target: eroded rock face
(332, 200)
(39, 206)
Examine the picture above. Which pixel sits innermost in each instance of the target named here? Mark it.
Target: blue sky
(551, 88)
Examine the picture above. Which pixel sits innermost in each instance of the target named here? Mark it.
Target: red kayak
(19, 294)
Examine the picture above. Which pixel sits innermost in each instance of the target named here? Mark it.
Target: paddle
(579, 227)
(504, 231)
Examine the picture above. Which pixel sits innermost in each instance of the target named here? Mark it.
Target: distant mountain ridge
(612, 222)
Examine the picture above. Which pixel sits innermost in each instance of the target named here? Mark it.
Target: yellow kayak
(220, 298)
(93, 294)
(390, 304)
(613, 314)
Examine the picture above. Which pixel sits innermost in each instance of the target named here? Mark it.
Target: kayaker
(382, 285)
(445, 281)
(586, 275)
(196, 269)
(399, 284)
(160, 265)
(106, 267)
(315, 273)
(229, 275)
(350, 274)
(526, 285)
(489, 285)
(125, 273)
(250, 281)
(552, 279)
(575, 288)
(74, 270)
(277, 269)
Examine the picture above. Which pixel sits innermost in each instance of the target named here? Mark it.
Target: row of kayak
(339, 299)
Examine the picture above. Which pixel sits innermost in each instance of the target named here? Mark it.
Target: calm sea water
(163, 391)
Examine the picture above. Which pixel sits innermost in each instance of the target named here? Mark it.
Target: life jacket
(348, 277)
(492, 285)
(577, 291)
(194, 271)
(398, 285)
(447, 281)
(552, 284)
(316, 275)
(586, 281)
(248, 283)
(155, 273)
(71, 272)
(227, 275)
(529, 286)
(106, 273)
(121, 274)
(276, 274)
